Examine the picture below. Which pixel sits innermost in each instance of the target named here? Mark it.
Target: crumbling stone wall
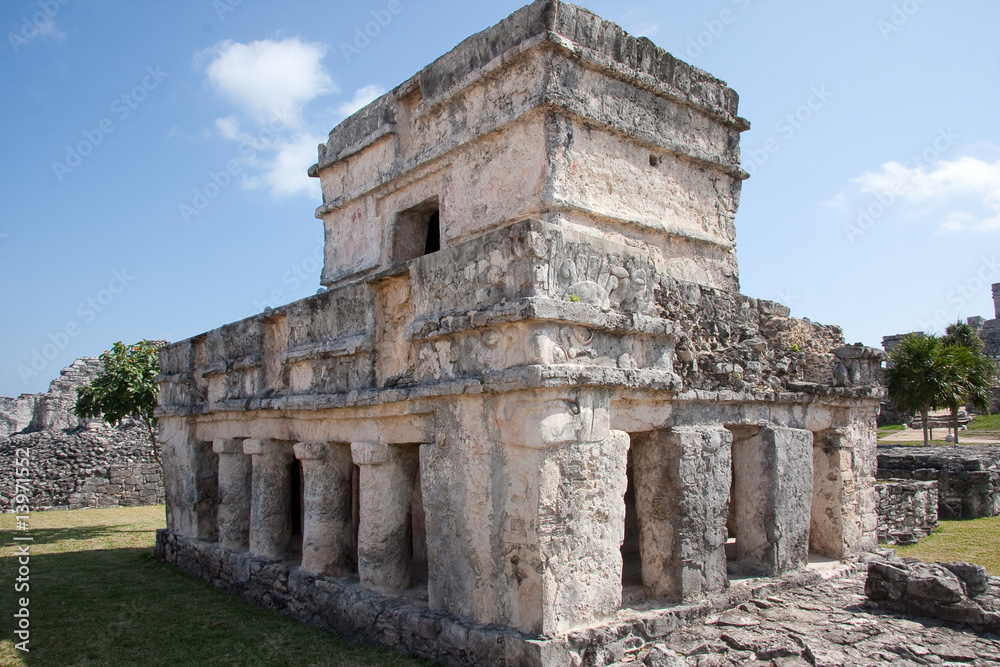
(960, 593)
(730, 341)
(107, 467)
(75, 462)
(51, 410)
(907, 511)
(968, 477)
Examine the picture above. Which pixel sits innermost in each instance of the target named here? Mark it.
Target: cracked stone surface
(831, 624)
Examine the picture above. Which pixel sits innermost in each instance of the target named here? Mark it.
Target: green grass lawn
(890, 429)
(98, 598)
(973, 541)
(920, 443)
(988, 423)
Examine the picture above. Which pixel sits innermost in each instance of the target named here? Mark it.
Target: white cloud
(270, 83)
(362, 98)
(52, 31)
(285, 174)
(953, 186)
(837, 201)
(646, 29)
(228, 127)
(268, 78)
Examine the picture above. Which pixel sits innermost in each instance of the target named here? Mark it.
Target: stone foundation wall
(109, 467)
(960, 593)
(907, 511)
(403, 621)
(968, 477)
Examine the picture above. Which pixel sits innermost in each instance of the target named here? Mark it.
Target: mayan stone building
(531, 400)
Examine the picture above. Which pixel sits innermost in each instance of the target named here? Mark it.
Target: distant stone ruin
(989, 332)
(967, 476)
(532, 409)
(52, 410)
(75, 463)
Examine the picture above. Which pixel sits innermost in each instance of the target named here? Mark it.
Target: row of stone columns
(693, 486)
(255, 505)
(697, 485)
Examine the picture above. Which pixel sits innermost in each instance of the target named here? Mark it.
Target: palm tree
(968, 373)
(913, 375)
(960, 333)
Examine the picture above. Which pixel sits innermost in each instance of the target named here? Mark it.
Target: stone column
(234, 494)
(386, 481)
(844, 521)
(328, 530)
(271, 500)
(772, 500)
(682, 480)
(190, 480)
(561, 479)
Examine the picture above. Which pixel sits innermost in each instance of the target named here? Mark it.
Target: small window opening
(417, 232)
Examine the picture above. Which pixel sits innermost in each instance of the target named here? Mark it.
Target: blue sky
(154, 155)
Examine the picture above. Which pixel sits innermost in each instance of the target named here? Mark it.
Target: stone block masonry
(71, 470)
(968, 476)
(75, 463)
(532, 397)
(960, 593)
(907, 511)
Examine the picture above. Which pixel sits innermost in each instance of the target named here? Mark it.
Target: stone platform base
(405, 623)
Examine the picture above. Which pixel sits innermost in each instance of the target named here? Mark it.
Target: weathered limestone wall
(108, 467)
(16, 413)
(530, 94)
(907, 511)
(968, 477)
(342, 606)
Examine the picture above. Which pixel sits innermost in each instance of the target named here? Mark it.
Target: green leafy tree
(968, 373)
(124, 388)
(913, 375)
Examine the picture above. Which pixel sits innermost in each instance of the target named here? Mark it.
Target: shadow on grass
(120, 607)
(53, 535)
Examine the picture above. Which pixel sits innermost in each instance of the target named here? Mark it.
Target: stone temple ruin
(532, 402)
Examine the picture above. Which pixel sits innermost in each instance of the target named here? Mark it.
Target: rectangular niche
(417, 231)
